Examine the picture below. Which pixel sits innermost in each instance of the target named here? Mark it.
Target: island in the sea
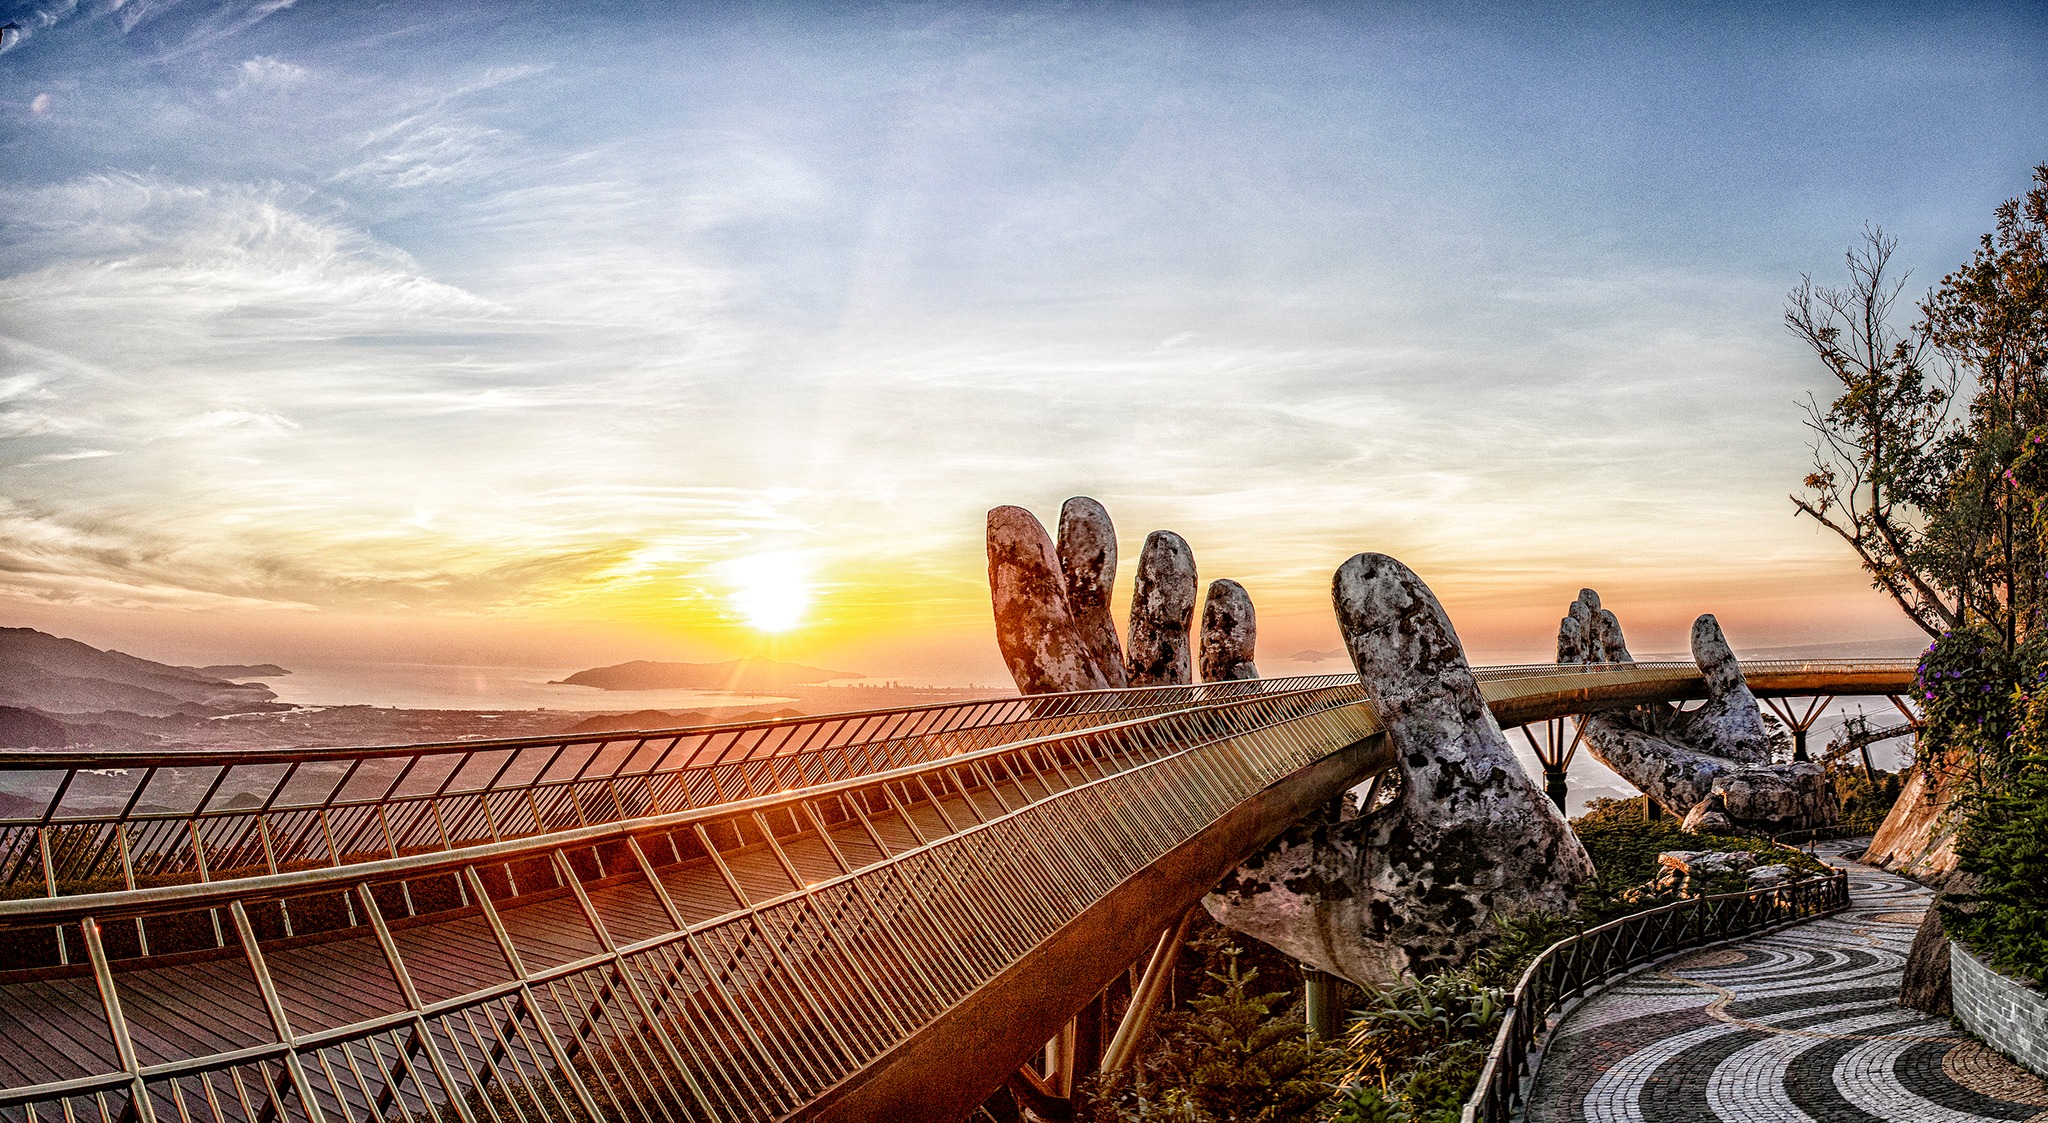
(752, 674)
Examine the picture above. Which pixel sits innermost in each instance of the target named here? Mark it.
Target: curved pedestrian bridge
(842, 917)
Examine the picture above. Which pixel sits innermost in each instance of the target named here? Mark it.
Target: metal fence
(805, 895)
(72, 823)
(1577, 964)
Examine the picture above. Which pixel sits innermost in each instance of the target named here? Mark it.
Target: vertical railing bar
(518, 965)
(117, 1022)
(275, 1005)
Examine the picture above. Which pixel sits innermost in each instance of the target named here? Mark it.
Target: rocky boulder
(1035, 628)
(1087, 552)
(1683, 870)
(1159, 651)
(1771, 876)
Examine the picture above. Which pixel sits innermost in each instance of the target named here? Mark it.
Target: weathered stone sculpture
(1087, 549)
(1413, 885)
(1158, 648)
(1034, 627)
(1711, 765)
(1591, 634)
(1230, 632)
(1051, 603)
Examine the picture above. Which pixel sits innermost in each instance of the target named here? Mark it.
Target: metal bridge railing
(725, 959)
(1577, 964)
(729, 962)
(72, 823)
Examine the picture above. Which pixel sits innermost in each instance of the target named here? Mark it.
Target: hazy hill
(240, 671)
(27, 729)
(662, 719)
(734, 674)
(64, 676)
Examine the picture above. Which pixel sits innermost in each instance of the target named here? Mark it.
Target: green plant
(1233, 1054)
(2005, 843)
(1865, 799)
(1416, 1049)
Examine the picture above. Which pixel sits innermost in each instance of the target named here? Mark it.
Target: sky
(559, 335)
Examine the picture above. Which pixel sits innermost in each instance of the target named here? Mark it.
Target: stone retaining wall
(2010, 1016)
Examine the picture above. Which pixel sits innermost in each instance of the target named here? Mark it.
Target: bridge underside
(954, 1063)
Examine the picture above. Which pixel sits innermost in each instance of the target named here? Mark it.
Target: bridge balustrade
(728, 962)
(72, 823)
(807, 944)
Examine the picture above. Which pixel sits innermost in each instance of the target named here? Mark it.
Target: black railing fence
(1577, 964)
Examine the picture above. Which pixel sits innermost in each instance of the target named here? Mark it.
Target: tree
(1883, 448)
(1948, 513)
(1990, 317)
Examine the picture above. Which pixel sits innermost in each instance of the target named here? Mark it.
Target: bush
(1234, 1054)
(1865, 800)
(2005, 843)
(1989, 710)
(1416, 1049)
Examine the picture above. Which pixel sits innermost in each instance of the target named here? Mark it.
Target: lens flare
(770, 591)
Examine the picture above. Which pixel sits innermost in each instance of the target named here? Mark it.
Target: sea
(439, 686)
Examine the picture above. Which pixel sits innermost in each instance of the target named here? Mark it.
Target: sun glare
(770, 591)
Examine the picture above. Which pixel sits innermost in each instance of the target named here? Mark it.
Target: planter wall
(2010, 1016)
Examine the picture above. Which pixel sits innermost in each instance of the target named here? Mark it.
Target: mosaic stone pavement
(1796, 1026)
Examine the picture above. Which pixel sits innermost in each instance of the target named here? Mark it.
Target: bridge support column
(1123, 1045)
(1799, 720)
(1555, 751)
(1059, 1062)
(1324, 997)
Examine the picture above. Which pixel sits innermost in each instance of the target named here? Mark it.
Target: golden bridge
(857, 916)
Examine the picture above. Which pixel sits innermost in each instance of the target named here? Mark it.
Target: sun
(771, 592)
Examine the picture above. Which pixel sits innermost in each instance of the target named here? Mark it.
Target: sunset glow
(678, 329)
(771, 591)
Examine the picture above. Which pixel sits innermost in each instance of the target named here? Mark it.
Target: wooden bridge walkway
(822, 918)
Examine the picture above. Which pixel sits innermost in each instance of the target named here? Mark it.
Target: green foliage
(1965, 686)
(2005, 843)
(1416, 1049)
(1624, 848)
(1232, 1055)
(1865, 800)
(1987, 708)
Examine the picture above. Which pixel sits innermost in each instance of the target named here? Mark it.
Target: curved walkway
(1796, 1026)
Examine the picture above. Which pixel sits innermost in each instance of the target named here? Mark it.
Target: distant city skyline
(564, 335)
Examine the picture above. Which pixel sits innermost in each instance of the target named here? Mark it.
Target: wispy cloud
(450, 315)
(265, 73)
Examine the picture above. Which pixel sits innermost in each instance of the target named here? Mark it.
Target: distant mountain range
(734, 674)
(63, 676)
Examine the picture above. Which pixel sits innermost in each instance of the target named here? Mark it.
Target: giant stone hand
(1711, 764)
(1052, 616)
(1411, 886)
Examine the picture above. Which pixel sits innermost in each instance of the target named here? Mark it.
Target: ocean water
(435, 686)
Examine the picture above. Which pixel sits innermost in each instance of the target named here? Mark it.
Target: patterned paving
(1792, 1027)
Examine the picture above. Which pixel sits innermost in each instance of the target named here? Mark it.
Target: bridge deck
(787, 954)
